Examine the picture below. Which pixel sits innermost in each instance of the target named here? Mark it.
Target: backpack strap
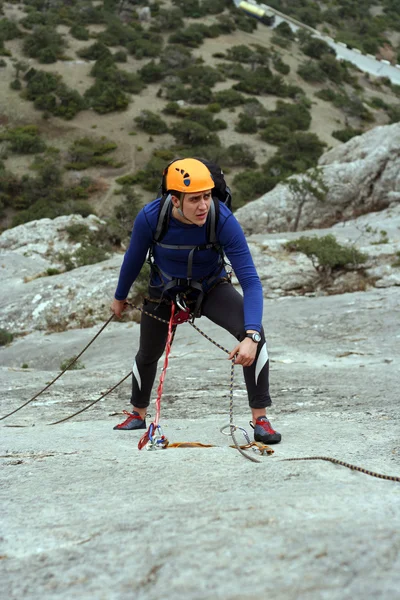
(164, 215)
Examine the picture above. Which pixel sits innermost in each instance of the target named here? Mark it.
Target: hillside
(186, 82)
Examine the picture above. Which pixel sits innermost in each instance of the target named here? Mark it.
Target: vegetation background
(96, 97)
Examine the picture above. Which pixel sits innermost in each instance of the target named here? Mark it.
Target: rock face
(362, 176)
(31, 299)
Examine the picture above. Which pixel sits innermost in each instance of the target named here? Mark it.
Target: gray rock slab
(86, 515)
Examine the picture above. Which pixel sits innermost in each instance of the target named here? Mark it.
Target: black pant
(224, 306)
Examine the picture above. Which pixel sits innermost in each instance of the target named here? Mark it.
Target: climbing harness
(154, 437)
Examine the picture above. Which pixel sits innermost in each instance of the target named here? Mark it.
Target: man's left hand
(246, 352)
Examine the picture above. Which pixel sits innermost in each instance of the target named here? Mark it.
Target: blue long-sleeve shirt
(174, 262)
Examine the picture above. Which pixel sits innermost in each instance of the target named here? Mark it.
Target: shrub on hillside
(284, 30)
(312, 72)
(296, 155)
(316, 48)
(170, 20)
(249, 185)
(280, 66)
(176, 57)
(275, 133)
(24, 140)
(105, 97)
(35, 18)
(394, 113)
(151, 123)
(229, 98)
(344, 135)
(200, 75)
(45, 44)
(262, 81)
(239, 155)
(190, 8)
(199, 95)
(6, 337)
(191, 133)
(191, 37)
(226, 24)
(326, 253)
(89, 152)
(96, 51)
(149, 45)
(9, 30)
(79, 32)
(152, 72)
(119, 34)
(294, 116)
(246, 124)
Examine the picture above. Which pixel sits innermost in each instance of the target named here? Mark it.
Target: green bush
(327, 251)
(199, 95)
(275, 133)
(298, 154)
(45, 44)
(150, 45)
(344, 135)
(249, 185)
(79, 32)
(152, 72)
(175, 57)
(24, 140)
(190, 8)
(176, 91)
(77, 366)
(200, 76)
(394, 113)
(191, 37)
(229, 98)
(262, 81)
(9, 30)
(170, 20)
(241, 54)
(280, 66)
(226, 24)
(191, 133)
(316, 48)
(294, 116)
(16, 84)
(5, 337)
(96, 51)
(239, 155)
(246, 124)
(312, 72)
(104, 97)
(151, 122)
(35, 18)
(88, 152)
(284, 30)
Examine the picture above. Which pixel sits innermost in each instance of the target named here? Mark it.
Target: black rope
(60, 374)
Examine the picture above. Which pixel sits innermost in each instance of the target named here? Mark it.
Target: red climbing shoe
(133, 421)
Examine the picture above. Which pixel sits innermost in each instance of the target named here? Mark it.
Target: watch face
(256, 337)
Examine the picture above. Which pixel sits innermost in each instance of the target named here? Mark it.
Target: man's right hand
(118, 307)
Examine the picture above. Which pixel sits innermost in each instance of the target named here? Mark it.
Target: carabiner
(181, 304)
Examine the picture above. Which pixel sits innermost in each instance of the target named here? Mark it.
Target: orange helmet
(188, 175)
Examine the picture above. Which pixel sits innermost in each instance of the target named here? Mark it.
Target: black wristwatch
(256, 337)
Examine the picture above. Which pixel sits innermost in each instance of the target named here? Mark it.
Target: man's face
(195, 206)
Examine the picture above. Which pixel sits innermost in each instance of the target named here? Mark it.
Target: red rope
(145, 438)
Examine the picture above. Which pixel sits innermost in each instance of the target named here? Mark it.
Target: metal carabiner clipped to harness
(183, 315)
